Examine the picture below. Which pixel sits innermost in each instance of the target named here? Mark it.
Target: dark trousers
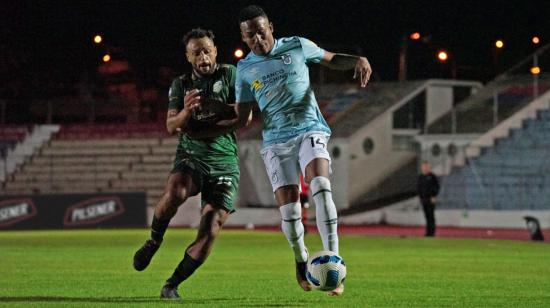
(429, 208)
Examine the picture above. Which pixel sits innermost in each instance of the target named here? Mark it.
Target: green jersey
(211, 153)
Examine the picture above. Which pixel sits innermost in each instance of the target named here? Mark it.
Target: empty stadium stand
(98, 158)
(514, 174)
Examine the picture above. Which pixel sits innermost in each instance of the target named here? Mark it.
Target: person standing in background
(428, 188)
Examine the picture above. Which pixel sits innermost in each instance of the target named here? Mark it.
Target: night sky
(148, 33)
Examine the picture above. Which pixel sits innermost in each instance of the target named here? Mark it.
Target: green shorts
(218, 185)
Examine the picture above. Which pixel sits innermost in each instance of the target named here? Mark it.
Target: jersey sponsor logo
(257, 85)
(277, 76)
(203, 114)
(14, 211)
(287, 59)
(93, 211)
(217, 87)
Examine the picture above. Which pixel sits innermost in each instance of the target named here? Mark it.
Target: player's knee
(291, 211)
(172, 199)
(215, 220)
(319, 184)
(218, 222)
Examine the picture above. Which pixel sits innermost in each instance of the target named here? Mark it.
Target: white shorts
(284, 161)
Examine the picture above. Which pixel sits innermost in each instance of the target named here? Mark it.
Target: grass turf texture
(247, 268)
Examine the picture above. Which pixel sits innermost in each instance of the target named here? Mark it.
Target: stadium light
(98, 39)
(106, 58)
(415, 36)
(535, 70)
(239, 53)
(499, 44)
(535, 40)
(442, 56)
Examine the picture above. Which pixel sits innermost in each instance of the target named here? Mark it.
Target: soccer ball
(325, 270)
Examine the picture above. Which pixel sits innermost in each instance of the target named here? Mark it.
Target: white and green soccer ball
(325, 270)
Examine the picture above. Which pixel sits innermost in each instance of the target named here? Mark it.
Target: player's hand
(363, 71)
(434, 200)
(192, 100)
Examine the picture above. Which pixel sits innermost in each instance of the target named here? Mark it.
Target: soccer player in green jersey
(204, 163)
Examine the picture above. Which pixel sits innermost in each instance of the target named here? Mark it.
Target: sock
(158, 228)
(185, 268)
(294, 229)
(325, 209)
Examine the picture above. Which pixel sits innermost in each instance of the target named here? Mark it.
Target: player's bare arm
(339, 61)
(177, 120)
(243, 116)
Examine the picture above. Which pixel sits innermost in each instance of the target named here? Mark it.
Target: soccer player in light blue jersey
(295, 135)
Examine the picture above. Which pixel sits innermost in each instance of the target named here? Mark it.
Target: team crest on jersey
(287, 59)
(217, 87)
(254, 71)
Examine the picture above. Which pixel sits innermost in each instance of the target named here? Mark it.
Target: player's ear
(271, 28)
(187, 56)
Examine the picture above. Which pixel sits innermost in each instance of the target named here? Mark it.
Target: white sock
(294, 229)
(325, 210)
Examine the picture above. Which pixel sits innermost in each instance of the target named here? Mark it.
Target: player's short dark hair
(251, 12)
(197, 33)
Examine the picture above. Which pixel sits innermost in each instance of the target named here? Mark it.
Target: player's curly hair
(251, 12)
(197, 33)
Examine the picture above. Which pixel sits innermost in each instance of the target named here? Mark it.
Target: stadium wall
(439, 100)
(405, 213)
(72, 211)
(410, 213)
(367, 169)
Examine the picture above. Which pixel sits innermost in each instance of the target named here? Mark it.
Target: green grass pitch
(255, 269)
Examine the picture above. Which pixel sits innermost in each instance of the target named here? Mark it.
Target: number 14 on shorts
(317, 142)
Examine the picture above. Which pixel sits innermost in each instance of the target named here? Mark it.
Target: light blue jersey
(279, 82)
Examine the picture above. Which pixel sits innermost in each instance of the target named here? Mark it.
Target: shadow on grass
(247, 302)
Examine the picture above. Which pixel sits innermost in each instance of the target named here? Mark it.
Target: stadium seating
(99, 158)
(111, 131)
(512, 175)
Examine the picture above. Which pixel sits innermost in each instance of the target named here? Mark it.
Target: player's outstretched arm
(243, 116)
(339, 61)
(177, 120)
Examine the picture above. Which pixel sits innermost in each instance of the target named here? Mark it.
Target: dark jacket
(427, 186)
